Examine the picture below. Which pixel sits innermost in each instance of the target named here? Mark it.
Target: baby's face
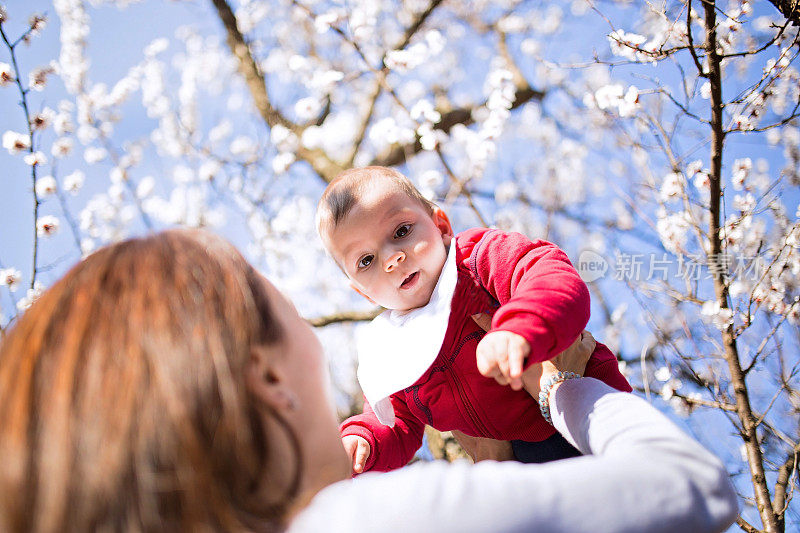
(391, 248)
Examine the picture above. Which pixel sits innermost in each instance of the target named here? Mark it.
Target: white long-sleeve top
(640, 473)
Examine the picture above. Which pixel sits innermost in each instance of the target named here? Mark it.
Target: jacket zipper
(473, 416)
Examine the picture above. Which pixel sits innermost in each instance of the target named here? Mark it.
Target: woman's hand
(573, 359)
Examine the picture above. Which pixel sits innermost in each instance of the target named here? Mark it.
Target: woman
(163, 384)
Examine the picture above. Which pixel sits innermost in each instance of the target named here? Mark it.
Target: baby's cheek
(421, 247)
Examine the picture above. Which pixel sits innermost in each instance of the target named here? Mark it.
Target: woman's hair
(122, 397)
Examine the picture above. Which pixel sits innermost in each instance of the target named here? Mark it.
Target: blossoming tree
(658, 144)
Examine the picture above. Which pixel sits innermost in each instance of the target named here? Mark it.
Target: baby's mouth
(409, 281)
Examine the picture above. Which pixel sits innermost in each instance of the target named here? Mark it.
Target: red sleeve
(390, 447)
(541, 295)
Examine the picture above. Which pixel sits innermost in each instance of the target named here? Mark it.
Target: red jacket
(529, 288)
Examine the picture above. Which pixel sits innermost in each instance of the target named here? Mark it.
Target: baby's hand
(500, 355)
(358, 449)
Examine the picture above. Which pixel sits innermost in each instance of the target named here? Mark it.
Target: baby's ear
(359, 291)
(442, 222)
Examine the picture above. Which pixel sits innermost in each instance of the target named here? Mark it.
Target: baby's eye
(365, 261)
(402, 231)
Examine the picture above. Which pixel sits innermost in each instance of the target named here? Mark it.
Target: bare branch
(692, 51)
(706, 403)
(362, 132)
(789, 9)
(744, 411)
(339, 318)
(461, 187)
(785, 474)
(417, 24)
(248, 67)
(745, 525)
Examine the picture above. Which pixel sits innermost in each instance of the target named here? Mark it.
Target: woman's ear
(359, 291)
(266, 383)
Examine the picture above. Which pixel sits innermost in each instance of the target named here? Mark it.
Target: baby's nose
(394, 260)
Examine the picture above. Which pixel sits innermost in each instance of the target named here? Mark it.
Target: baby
(427, 360)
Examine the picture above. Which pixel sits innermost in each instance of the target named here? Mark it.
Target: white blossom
(632, 46)
(45, 186)
(721, 318)
(209, 170)
(505, 192)
(743, 122)
(38, 77)
(326, 80)
(43, 119)
(325, 21)
(37, 23)
(243, 146)
(87, 246)
(672, 186)
(693, 168)
(36, 158)
(94, 154)
(145, 187)
(6, 74)
(672, 229)
(16, 142)
(10, 277)
(388, 131)
(62, 147)
(741, 170)
(307, 108)
(614, 97)
(744, 202)
(427, 137)
(155, 47)
(47, 226)
(30, 297)
(73, 182)
(282, 162)
(408, 58)
(423, 110)
(182, 175)
(663, 374)
(220, 132)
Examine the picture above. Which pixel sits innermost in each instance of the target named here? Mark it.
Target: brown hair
(342, 193)
(122, 397)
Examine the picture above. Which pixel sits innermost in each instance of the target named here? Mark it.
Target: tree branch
(747, 527)
(362, 131)
(323, 165)
(399, 153)
(789, 9)
(417, 24)
(339, 318)
(744, 411)
(785, 474)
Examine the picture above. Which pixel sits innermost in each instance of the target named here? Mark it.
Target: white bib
(397, 347)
